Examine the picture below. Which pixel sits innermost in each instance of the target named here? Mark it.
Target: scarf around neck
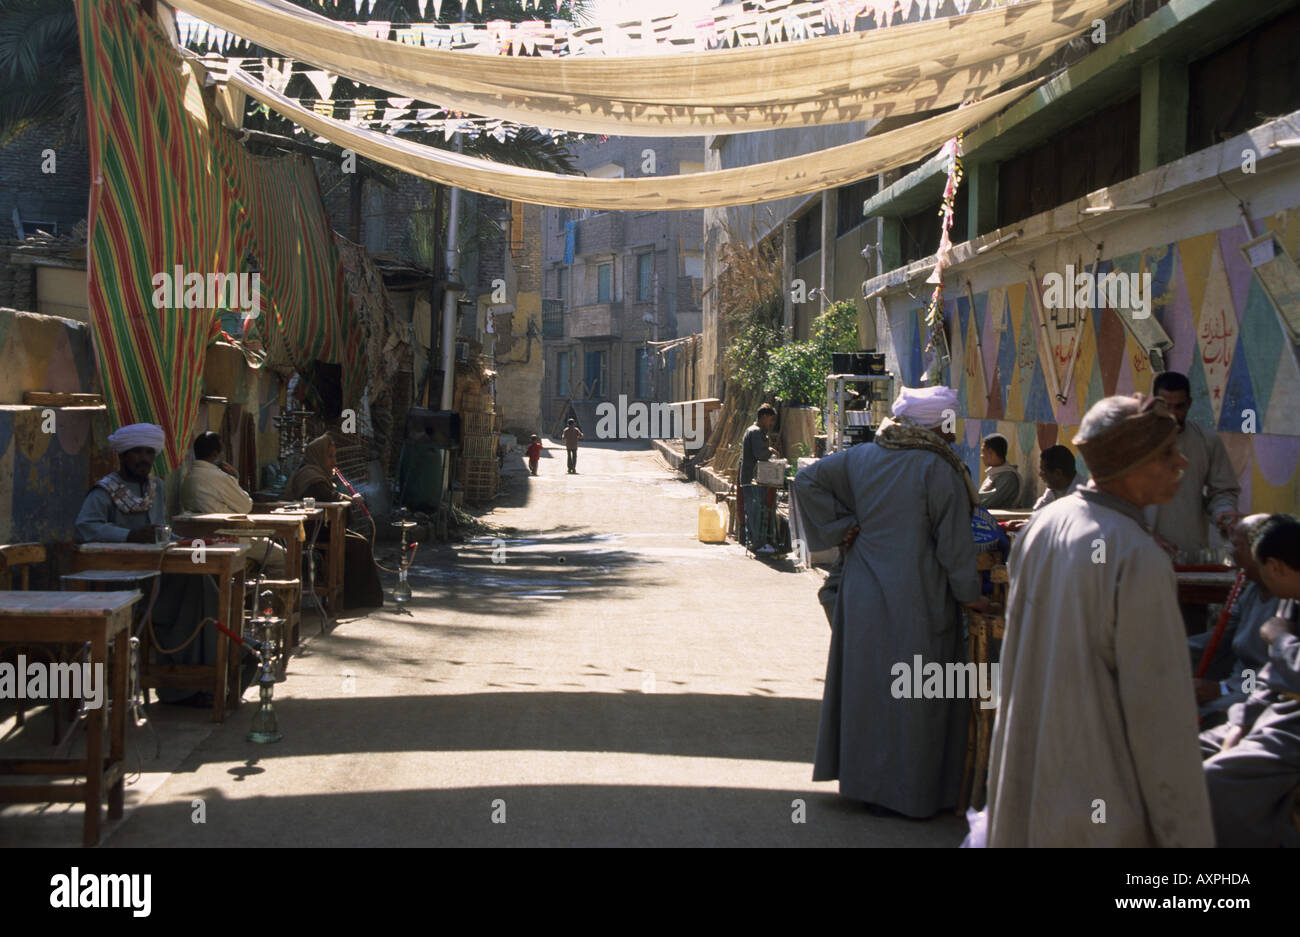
(124, 499)
(902, 433)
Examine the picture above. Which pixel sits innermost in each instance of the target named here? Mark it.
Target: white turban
(926, 406)
(136, 435)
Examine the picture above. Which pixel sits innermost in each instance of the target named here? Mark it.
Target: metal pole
(450, 295)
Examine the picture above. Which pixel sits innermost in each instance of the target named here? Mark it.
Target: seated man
(1252, 765)
(315, 479)
(211, 488)
(1241, 649)
(1059, 473)
(128, 506)
(1001, 488)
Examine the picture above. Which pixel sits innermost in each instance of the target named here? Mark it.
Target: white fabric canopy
(797, 175)
(835, 79)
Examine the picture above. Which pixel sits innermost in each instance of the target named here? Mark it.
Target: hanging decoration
(744, 185)
(934, 320)
(906, 69)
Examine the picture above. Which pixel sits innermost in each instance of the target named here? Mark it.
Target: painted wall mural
(1244, 371)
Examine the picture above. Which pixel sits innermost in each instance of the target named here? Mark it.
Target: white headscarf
(137, 435)
(926, 406)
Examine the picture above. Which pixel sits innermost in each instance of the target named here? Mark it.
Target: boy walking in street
(572, 436)
(534, 453)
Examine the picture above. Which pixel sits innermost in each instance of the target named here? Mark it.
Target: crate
(475, 423)
(478, 447)
(771, 472)
(480, 470)
(482, 479)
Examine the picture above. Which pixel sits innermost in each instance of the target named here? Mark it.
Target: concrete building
(614, 281)
(509, 306)
(1170, 154)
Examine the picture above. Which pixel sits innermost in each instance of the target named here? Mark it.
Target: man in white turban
(128, 506)
(900, 507)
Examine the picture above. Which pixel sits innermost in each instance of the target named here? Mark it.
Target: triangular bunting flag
(323, 82)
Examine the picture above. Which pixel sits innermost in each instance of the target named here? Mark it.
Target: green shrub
(796, 372)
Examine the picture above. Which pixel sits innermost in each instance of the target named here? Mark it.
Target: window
(594, 373)
(645, 271)
(921, 231)
(552, 319)
(849, 207)
(561, 281)
(605, 283)
(562, 374)
(642, 374)
(1096, 152)
(808, 233)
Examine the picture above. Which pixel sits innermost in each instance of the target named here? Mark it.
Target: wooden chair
(16, 562)
(984, 629)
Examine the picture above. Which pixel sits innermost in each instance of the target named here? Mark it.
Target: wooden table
(336, 515)
(224, 562)
(289, 527)
(1204, 587)
(97, 618)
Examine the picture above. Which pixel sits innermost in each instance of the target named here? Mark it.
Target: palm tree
(40, 69)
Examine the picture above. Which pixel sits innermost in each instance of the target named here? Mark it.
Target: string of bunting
(753, 23)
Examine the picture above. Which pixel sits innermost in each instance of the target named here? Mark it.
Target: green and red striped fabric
(171, 188)
(306, 311)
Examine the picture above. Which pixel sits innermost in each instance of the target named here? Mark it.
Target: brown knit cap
(1147, 426)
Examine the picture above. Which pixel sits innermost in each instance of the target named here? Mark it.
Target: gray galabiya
(904, 577)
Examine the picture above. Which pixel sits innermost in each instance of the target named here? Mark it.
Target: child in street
(534, 453)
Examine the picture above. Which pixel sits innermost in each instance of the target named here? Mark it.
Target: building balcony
(600, 234)
(597, 320)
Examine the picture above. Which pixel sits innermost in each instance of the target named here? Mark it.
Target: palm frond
(36, 35)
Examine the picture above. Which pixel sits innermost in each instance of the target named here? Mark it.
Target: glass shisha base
(265, 727)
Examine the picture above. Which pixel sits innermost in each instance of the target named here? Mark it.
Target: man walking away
(901, 507)
(572, 436)
(1095, 740)
(754, 448)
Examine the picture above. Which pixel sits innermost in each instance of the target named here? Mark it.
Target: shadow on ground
(757, 727)
(532, 815)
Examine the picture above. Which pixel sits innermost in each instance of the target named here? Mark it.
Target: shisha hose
(253, 647)
(405, 561)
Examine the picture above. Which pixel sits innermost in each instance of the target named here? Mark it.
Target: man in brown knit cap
(1095, 742)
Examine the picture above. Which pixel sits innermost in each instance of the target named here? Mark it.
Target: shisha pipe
(373, 529)
(265, 726)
